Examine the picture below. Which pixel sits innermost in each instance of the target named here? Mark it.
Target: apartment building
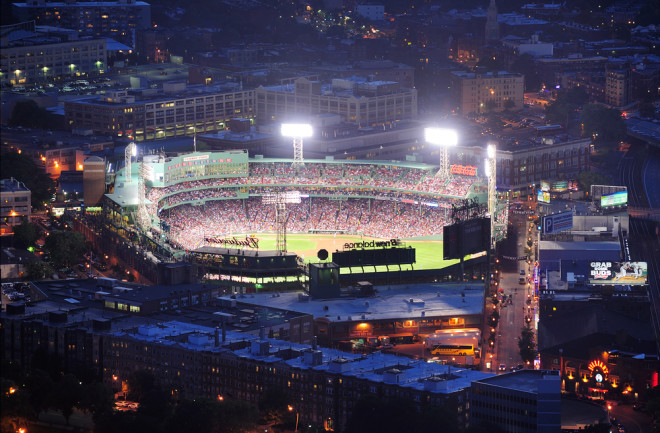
(176, 110)
(480, 93)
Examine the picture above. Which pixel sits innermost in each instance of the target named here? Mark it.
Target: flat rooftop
(390, 302)
(523, 380)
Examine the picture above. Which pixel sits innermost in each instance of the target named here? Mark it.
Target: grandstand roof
(241, 252)
(390, 302)
(407, 164)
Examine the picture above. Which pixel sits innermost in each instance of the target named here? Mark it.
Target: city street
(515, 310)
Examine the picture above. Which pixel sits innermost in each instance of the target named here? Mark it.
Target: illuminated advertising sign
(559, 186)
(372, 244)
(557, 222)
(248, 242)
(617, 199)
(466, 170)
(543, 197)
(545, 185)
(620, 273)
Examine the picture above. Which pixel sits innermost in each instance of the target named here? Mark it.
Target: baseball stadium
(220, 207)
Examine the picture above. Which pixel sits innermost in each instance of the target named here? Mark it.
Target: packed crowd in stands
(330, 178)
(190, 225)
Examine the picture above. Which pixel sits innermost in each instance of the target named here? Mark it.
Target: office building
(525, 401)
(118, 20)
(358, 101)
(32, 54)
(176, 110)
(522, 165)
(480, 93)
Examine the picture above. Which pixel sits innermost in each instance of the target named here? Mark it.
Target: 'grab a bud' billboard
(619, 273)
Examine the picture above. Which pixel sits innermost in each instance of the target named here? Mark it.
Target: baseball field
(428, 253)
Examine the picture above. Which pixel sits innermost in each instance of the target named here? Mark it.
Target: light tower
(297, 131)
(280, 199)
(443, 138)
(130, 151)
(491, 172)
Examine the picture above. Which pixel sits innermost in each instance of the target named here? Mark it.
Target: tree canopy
(66, 248)
(23, 168)
(526, 344)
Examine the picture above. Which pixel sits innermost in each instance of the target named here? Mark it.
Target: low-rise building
(16, 201)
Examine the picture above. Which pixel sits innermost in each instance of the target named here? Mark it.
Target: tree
(66, 248)
(509, 104)
(38, 270)
(605, 124)
(24, 169)
(67, 395)
(97, 399)
(41, 389)
(139, 384)
(526, 344)
(564, 109)
(26, 233)
(588, 178)
(29, 115)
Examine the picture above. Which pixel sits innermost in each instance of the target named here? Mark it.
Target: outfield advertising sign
(617, 199)
(620, 273)
(558, 222)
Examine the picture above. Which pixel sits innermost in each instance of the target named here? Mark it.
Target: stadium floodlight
(441, 136)
(491, 151)
(491, 172)
(130, 151)
(293, 130)
(297, 131)
(444, 138)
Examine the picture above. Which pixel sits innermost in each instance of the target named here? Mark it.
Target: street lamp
(297, 131)
(291, 409)
(443, 138)
(72, 67)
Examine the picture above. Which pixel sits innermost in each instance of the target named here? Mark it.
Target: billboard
(617, 199)
(543, 197)
(466, 237)
(597, 191)
(620, 273)
(558, 222)
(545, 185)
(559, 186)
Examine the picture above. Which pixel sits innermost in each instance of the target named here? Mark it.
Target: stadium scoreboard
(374, 257)
(466, 237)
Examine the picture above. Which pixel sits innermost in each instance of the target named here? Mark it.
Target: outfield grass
(428, 253)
